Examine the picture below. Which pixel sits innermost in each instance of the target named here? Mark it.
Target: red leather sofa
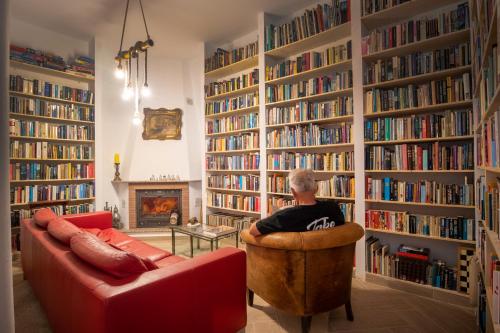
(204, 294)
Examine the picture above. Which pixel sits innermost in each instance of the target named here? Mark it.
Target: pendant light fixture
(124, 61)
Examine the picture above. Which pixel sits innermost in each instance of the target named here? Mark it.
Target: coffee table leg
(236, 236)
(211, 245)
(173, 241)
(198, 243)
(191, 240)
(216, 243)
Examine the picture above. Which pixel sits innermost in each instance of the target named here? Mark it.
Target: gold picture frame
(162, 124)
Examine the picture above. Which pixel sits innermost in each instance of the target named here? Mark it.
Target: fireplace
(154, 207)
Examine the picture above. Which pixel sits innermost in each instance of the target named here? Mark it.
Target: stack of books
(82, 65)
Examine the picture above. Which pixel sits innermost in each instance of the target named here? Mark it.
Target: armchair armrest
(99, 220)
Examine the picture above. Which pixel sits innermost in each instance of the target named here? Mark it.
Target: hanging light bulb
(145, 91)
(136, 120)
(119, 71)
(127, 93)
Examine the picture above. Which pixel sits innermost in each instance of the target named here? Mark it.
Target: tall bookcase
(52, 131)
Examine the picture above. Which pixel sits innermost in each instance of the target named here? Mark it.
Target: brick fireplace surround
(159, 185)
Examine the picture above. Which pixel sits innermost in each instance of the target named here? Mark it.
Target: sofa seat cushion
(101, 255)
(62, 230)
(170, 260)
(143, 250)
(114, 236)
(43, 216)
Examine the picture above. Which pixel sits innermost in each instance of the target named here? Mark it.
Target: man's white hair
(302, 180)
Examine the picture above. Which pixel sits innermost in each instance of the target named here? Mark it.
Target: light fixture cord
(144, 19)
(124, 23)
(146, 67)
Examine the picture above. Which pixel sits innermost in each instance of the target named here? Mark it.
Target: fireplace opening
(154, 207)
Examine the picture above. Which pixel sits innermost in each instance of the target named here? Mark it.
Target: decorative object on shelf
(174, 218)
(117, 169)
(107, 207)
(193, 222)
(116, 218)
(162, 124)
(124, 60)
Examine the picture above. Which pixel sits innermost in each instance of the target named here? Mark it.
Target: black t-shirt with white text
(322, 215)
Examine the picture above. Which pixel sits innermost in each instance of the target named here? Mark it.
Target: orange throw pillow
(43, 216)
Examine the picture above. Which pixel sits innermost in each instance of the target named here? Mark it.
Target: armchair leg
(250, 297)
(306, 323)
(348, 311)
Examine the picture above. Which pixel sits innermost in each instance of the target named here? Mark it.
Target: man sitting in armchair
(307, 215)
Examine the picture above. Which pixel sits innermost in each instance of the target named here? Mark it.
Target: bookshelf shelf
(314, 121)
(419, 78)
(419, 171)
(245, 130)
(233, 68)
(423, 204)
(317, 172)
(19, 137)
(217, 189)
(336, 145)
(240, 91)
(318, 196)
(232, 112)
(234, 171)
(256, 150)
(317, 97)
(50, 99)
(50, 119)
(490, 169)
(407, 234)
(52, 159)
(449, 138)
(51, 202)
(332, 34)
(339, 66)
(240, 211)
(50, 71)
(400, 12)
(421, 109)
(493, 239)
(423, 45)
(47, 181)
(491, 109)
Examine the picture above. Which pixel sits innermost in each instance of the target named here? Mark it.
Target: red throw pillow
(43, 216)
(62, 230)
(104, 257)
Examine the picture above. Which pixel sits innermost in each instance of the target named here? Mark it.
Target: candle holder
(117, 173)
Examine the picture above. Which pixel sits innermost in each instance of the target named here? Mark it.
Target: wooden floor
(377, 309)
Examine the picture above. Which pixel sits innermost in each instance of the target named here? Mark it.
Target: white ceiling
(205, 20)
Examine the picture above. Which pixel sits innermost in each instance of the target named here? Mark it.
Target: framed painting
(162, 124)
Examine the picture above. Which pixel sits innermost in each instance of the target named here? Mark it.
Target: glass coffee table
(209, 233)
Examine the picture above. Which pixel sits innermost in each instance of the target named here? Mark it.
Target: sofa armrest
(99, 220)
(203, 294)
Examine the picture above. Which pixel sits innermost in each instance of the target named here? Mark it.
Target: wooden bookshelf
(423, 204)
(318, 196)
(339, 66)
(74, 80)
(421, 109)
(319, 172)
(218, 189)
(440, 139)
(419, 171)
(236, 92)
(335, 145)
(407, 234)
(490, 169)
(239, 151)
(335, 33)
(245, 130)
(314, 121)
(233, 171)
(317, 97)
(233, 68)
(233, 112)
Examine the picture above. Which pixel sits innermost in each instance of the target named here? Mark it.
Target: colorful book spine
(38, 129)
(232, 104)
(309, 135)
(46, 150)
(234, 182)
(37, 193)
(44, 171)
(335, 187)
(36, 107)
(232, 163)
(234, 142)
(233, 84)
(222, 58)
(231, 201)
(233, 123)
(341, 161)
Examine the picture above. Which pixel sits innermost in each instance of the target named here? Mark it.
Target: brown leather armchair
(303, 273)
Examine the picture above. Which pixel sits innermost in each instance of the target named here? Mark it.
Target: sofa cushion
(114, 236)
(62, 230)
(143, 250)
(170, 260)
(43, 216)
(99, 234)
(106, 258)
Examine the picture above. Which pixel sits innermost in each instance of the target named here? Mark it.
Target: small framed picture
(162, 124)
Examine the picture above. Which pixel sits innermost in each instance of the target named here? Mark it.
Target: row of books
(51, 151)
(489, 79)
(307, 111)
(420, 157)
(312, 22)
(232, 84)
(37, 129)
(426, 225)
(37, 87)
(310, 60)
(416, 30)
(435, 92)
(422, 191)
(437, 125)
(41, 171)
(337, 81)
(409, 264)
(335, 187)
(488, 143)
(275, 203)
(341, 161)
(37, 193)
(373, 6)
(17, 215)
(233, 162)
(233, 142)
(235, 221)
(234, 182)
(417, 63)
(222, 58)
(309, 135)
(82, 65)
(232, 104)
(36, 107)
(488, 202)
(233, 123)
(232, 201)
